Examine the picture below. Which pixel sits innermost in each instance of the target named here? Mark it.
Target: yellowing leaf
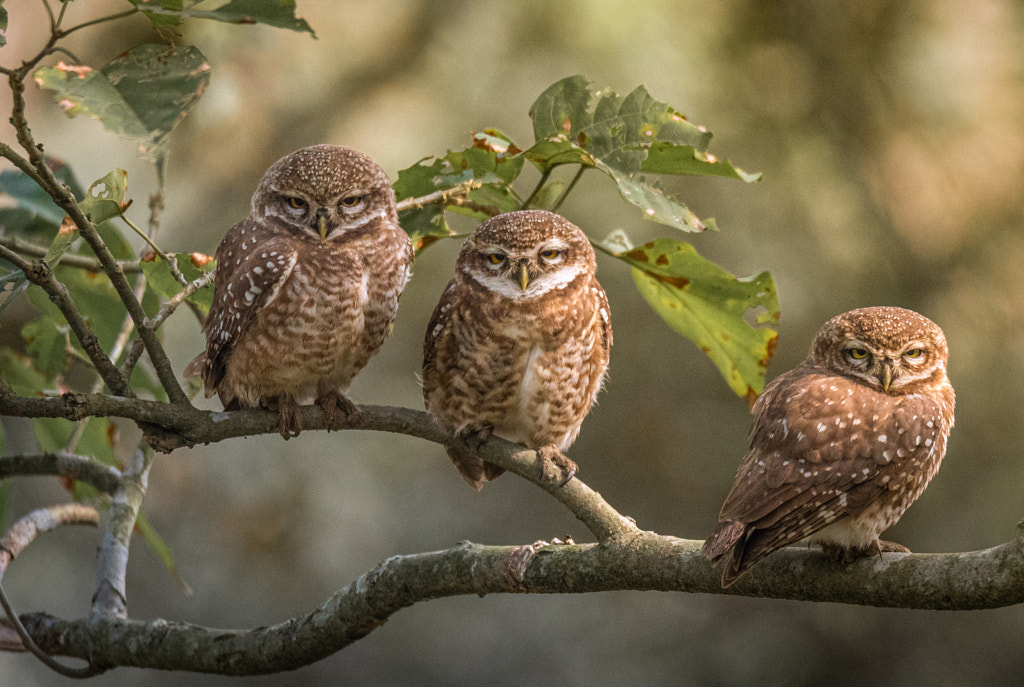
(710, 307)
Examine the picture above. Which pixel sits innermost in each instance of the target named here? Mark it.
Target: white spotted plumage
(842, 444)
(519, 342)
(307, 287)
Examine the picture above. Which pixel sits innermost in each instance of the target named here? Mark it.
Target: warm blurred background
(891, 140)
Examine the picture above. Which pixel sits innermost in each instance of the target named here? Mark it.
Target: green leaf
(654, 202)
(549, 194)
(143, 94)
(665, 158)
(28, 210)
(95, 298)
(46, 344)
(105, 199)
(3, 42)
(149, 534)
(617, 135)
(709, 306)
(278, 13)
(97, 441)
(19, 373)
(191, 265)
(164, 21)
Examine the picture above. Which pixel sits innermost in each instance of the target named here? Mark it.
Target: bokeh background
(891, 140)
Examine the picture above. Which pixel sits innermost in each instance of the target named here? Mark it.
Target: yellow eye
(351, 201)
(858, 353)
(297, 203)
(913, 353)
(496, 258)
(550, 254)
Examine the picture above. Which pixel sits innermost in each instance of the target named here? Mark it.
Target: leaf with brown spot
(709, 306)
(626, 137)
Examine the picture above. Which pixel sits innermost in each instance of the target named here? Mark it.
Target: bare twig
(456, 195)
(17, 538)
(40, 274)
(68, 259)
(65, 465)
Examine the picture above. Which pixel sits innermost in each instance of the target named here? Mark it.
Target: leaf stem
(568, 189)
(537, 189)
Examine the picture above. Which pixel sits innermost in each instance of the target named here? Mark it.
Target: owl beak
(885, 374)
(321, 223)
(524, 276)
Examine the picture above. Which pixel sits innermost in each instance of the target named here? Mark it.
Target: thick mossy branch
(645, 561)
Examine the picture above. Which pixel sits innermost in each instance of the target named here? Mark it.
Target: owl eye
(550, 254)
(497, 258)
(296, 202)
(857, 353)
(912, 353)
(351, 201)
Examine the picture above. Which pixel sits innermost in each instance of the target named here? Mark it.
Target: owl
(307, 287)
(518, 344)
(842, 444)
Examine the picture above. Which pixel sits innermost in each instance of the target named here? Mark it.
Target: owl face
(325, 192)
(887, 349)
(513, 260)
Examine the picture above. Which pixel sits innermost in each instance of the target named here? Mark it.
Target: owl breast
(315, 334)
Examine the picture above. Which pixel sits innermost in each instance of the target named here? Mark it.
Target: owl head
(525, 254)
(325, 191)
(891, 350)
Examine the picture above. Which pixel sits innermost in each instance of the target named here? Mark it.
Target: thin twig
(21, 534)
(443, 197)
(40, 274)
(68, 259)
(157, 354)
(64, 465)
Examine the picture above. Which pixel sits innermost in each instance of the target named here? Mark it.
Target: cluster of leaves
(627, 138)
(143, 94)
(146, 92)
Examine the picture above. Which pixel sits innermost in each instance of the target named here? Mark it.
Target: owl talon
(339, 412)
(890, 547)
(289, 424)
(551, 456)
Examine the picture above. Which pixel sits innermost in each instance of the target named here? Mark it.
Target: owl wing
(253, 262)
(603, 313)
(439, 336)
(439, 324)
(823, 448)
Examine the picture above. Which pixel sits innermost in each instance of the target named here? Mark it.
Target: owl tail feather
(474, 470)
(729, 536)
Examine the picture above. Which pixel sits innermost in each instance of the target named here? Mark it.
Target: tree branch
(65, 465)
(977, 580)
(40, 274)
(111, 598)
(17, 538)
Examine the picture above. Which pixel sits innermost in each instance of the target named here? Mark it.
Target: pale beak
(524, 276)
(321, 223)
(886, 375)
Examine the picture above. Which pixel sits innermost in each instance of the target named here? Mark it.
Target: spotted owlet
(842, 444)
(519, 343)
(306, 287)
